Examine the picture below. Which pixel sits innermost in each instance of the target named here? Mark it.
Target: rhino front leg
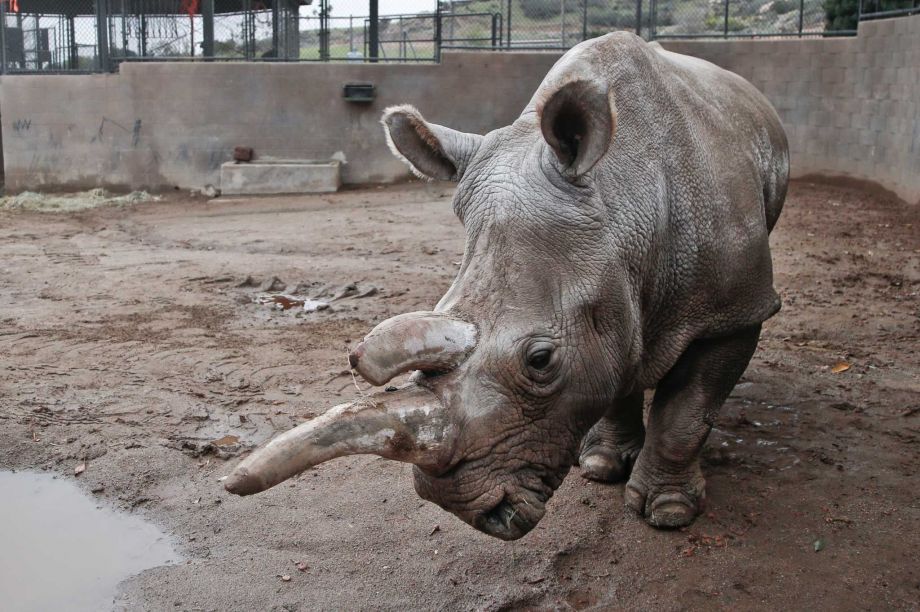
(610, 448)
(667, 485)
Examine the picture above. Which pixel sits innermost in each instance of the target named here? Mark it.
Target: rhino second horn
(427, 341)
(407, 424)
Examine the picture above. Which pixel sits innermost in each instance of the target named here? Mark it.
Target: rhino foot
(607, 463)
(666, 506)
(610, 448)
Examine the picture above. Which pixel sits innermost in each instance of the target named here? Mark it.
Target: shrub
(717, 22)
(539, 9)
(841, 14)
(613, 18)
(781, 7)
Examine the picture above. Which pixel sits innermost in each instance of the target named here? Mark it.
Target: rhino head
(520, 357)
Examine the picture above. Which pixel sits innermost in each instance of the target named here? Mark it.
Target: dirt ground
(129, 339)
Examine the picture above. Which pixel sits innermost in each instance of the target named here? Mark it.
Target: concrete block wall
(850, 107)
(164, 125)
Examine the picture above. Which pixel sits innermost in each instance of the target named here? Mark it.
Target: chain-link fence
(97, 35)
(740, 18)
(32, 39)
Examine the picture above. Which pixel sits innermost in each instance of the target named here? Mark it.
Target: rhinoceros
(616, 242)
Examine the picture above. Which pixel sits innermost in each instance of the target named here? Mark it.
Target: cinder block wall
(851, 108)
(164, 125)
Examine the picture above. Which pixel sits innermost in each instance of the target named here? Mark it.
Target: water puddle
(59, 550)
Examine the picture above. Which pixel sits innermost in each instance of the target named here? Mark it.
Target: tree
(841, 14)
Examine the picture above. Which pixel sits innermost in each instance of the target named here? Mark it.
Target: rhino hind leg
(667, 486)
(610, 448)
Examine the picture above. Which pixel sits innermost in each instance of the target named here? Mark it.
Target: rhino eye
(540, 358)
(541, 364)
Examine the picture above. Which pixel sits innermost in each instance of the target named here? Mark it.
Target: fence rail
(50, 36)
(882, 9)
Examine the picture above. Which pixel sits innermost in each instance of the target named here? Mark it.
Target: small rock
(210, 191)
(347, 291)
(249, 282)
(302, 288)
(315, 305)
(368, 292)
(273, 284)
(242, 154)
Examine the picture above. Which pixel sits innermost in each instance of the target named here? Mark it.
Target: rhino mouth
(512, 519)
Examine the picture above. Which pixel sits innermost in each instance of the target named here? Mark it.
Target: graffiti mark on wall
(135, 131)
(22, 125)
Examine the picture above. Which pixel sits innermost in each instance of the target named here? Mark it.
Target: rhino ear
(578, 121)
(431, 151)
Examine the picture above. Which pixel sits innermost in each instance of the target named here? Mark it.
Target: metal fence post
(509, 24)
(438, 41)
(2, 36)
(207, 28)
(275, 52)
(74, 51)
(653, 19)
(584, 19)
(802, 17)
(102, 34)
(638, 17)
(323, 30)
(143, 33)
(725, 33)
(494, 30)
(562, 32)
(373, 34)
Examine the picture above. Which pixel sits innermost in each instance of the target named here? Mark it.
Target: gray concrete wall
(850, 107)
(169, 124)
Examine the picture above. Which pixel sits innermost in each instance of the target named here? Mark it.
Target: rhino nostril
(355, 356)
(501, 516)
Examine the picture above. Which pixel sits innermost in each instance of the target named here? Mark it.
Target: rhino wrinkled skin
(617, 241)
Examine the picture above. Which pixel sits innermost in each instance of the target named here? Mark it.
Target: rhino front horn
(407, 424)
(427, 341)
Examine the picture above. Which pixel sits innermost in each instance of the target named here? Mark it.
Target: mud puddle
(62, 551)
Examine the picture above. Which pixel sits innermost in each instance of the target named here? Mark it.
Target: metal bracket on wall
(359, 92)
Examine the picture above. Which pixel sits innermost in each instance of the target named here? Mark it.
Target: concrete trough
(276, 176)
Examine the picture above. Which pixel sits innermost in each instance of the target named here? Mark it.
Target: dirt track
(126, 341)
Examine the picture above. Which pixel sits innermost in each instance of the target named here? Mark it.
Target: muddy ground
(127, 342)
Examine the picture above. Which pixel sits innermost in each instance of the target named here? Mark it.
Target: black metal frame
(497, 35)
(864, 15)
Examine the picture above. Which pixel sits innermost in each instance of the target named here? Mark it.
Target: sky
(343, 8)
